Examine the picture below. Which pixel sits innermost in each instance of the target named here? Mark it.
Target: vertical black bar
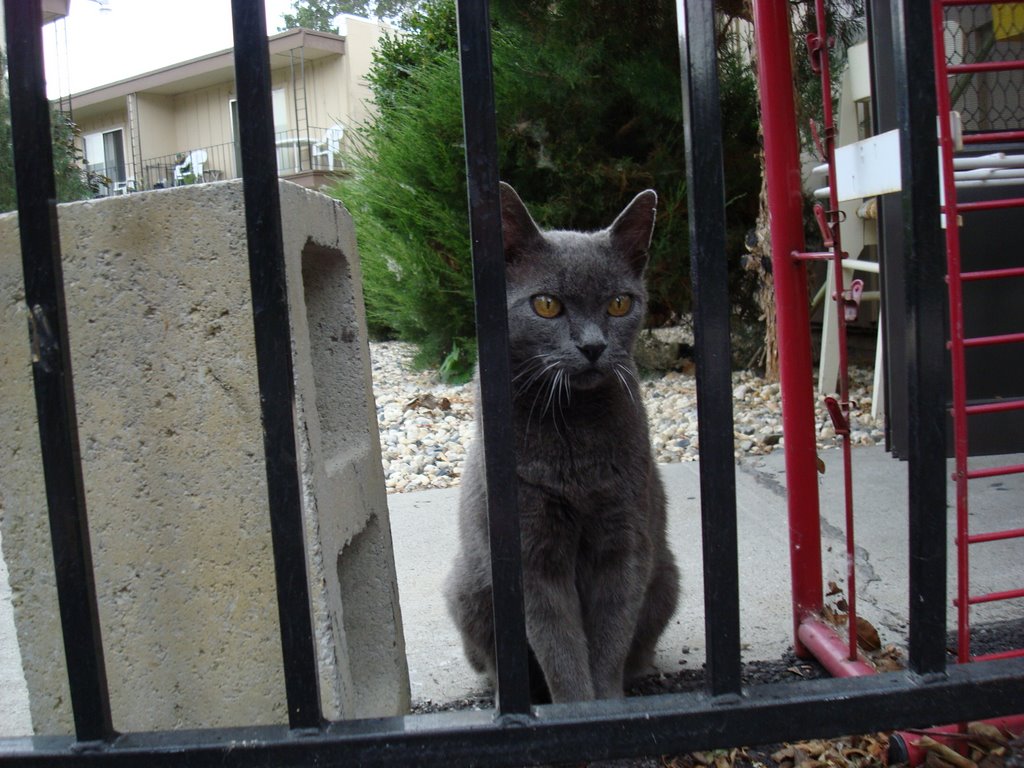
(890, 235)
(274, 359)
(924, 252)
(51, 371)
(708, 267)
(513, 694)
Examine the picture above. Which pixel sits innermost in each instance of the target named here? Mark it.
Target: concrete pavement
(424, 531)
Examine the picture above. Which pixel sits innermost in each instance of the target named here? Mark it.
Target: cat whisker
(622, 380)
(555, 399)
(536, 397)
(528, 366)
(629, 371)
(537, 373)
(568, 400)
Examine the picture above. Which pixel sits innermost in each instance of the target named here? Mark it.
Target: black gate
(725, 713)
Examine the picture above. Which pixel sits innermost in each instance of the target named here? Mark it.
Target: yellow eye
(619, 306)
(547, 306)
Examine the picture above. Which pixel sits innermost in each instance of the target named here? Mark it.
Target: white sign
(869, 167)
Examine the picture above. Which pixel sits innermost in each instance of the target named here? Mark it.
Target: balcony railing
(297, 152)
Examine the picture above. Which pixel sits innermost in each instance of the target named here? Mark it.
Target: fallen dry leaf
(986, 735)
(932, 760)
(867, 635)
(430, 402)
(946, 754)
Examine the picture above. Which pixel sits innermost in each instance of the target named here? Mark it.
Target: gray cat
(600, 583)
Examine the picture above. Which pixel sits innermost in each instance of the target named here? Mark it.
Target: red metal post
(818, 44)
(956, 331)
(785, 201)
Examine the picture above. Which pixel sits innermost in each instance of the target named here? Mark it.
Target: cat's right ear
(519, 232)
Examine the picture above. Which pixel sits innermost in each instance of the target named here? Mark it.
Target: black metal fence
(725, 713)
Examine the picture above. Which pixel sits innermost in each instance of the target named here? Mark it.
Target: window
(104, 155)
(284, 160)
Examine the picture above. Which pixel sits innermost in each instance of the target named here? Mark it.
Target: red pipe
(831, 650)
(1012, 469)
(994, 597)
(981, 538)
(993, 274)
(984, 138)
(984, 66)
(820, 44)
(903, 746)
(956, 331)
(992, 205)
(988, 341)
(1014, 654)
(785, 201)
(1000, 407)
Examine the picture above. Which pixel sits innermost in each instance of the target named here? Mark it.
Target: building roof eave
(210, 69)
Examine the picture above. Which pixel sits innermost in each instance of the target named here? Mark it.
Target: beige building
(179, 124)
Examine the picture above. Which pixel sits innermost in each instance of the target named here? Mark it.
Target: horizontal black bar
(51, 371)
(274, 359)
(512, 689)
(655, 725)
(705, 187)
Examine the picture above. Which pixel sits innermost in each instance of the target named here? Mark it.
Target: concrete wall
(169, 423)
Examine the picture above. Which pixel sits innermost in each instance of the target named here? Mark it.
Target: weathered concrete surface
(426, 534)
(169, 422)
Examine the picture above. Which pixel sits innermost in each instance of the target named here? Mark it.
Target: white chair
(330, 145)
(124, 187)
(192, 165)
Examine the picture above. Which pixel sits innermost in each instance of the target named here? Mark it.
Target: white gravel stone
(424, 446)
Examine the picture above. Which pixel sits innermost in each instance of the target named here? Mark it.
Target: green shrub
(588, 114)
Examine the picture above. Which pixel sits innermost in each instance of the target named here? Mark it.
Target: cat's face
(576, 301)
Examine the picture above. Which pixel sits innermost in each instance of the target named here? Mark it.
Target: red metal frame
(957, 342)
(782, 169)
(813, 636)
(782, 173)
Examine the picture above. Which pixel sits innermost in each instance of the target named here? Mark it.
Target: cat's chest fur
(589, 457)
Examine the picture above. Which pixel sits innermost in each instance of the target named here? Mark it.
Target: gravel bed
(425, 426)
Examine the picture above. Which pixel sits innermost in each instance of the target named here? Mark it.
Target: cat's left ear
(518, 230)
(631, 231)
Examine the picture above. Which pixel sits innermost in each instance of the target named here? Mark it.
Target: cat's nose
(592, 351)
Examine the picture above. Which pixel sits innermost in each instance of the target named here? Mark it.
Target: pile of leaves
(981, 745)
(847, 752)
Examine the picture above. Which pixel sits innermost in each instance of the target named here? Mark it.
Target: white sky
(136, 36)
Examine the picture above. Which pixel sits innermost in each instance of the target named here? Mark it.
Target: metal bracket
(827, 234)
(816, 46)
(839, 421)
(851, 300)
(41, 337)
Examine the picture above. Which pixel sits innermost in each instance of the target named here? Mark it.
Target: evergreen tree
(69, 175)
(588, 113)
(319, 14)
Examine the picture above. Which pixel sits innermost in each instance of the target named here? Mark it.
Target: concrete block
(164, 366)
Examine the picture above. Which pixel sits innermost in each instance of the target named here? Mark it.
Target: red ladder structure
(961, 409)
(814, 636)
(958, 343)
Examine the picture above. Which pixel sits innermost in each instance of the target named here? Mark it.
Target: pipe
(831, 651)
(782, 173)
(903, 747)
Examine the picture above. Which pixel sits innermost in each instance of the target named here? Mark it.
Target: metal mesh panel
(986, 101)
